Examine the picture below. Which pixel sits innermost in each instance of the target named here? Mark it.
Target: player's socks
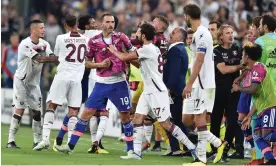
(215, 141)
(71, 125)
(128, 130)
(37, 130)
(264, 146)
(15, 122)
(101, 128)
(63, 130)
(93, 128)
(180, 136)
(77, 133)
(208, 147)
(222, 131)
(148, 132)
(259, 154)
(138, 138)
(203, 135)
(49, 118)
(247, 134)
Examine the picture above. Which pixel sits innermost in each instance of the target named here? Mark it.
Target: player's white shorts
(201, 100)
(65, 89)
(157, 104)
(26, 95)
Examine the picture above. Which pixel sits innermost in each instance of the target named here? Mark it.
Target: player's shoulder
(259, 66)
(43, 41)
(25, 41)
(120, 35)
(92, 33)
(95, 39)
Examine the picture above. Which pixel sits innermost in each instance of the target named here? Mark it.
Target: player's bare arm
(247, 120)
(196, 69)
(225, 69)
(126, 57)
(92, 65)
(251, 90)
(45, 59)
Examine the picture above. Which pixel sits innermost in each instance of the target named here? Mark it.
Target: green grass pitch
(26, 156)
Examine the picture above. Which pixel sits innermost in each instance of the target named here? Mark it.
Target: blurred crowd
(238, 13)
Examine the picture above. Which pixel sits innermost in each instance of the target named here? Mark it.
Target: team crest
(235, 53)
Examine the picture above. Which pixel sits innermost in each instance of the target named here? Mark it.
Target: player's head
(14, 39)
(191, 12)
(133, 34)
(37, 28)
(255, 26)
(251, 52)
(225, 35)
(145, 32)
(108, 22)
(87, 22)
(190, 34)
(213, 28)
(70, 22)
(178, 35)
(267, 24)
(160, 23)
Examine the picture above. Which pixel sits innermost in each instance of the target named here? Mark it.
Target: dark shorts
(117, 93)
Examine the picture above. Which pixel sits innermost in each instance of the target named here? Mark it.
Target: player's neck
(227, 45)
(146, 42)
(72, 29)
(106, 34)
(195, 24)
(251, 64)
(34, 38)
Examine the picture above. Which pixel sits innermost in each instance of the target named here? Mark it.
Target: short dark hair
(148, 30)
(106, 14)
(35, 22)
(256, 21)
(70, 20)
(270, 21)
(190, 31)
(254, 52)
(193, 11)
(215, 22)
(83, 21)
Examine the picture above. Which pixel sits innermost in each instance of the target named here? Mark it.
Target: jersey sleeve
(141, 53)
(201, 43)
(90, 49)
(25, 50)
(48, 50)
(217, 57)
(127, 42)
(57, 46)
(258, 73)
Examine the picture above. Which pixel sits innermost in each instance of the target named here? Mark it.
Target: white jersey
(149, 57)
(70, 49)
(28, 69)
(202, 42)
(90, 34)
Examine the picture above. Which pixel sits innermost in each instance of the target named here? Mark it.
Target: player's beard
(139, 40)
(189, 25)
(262, 32)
